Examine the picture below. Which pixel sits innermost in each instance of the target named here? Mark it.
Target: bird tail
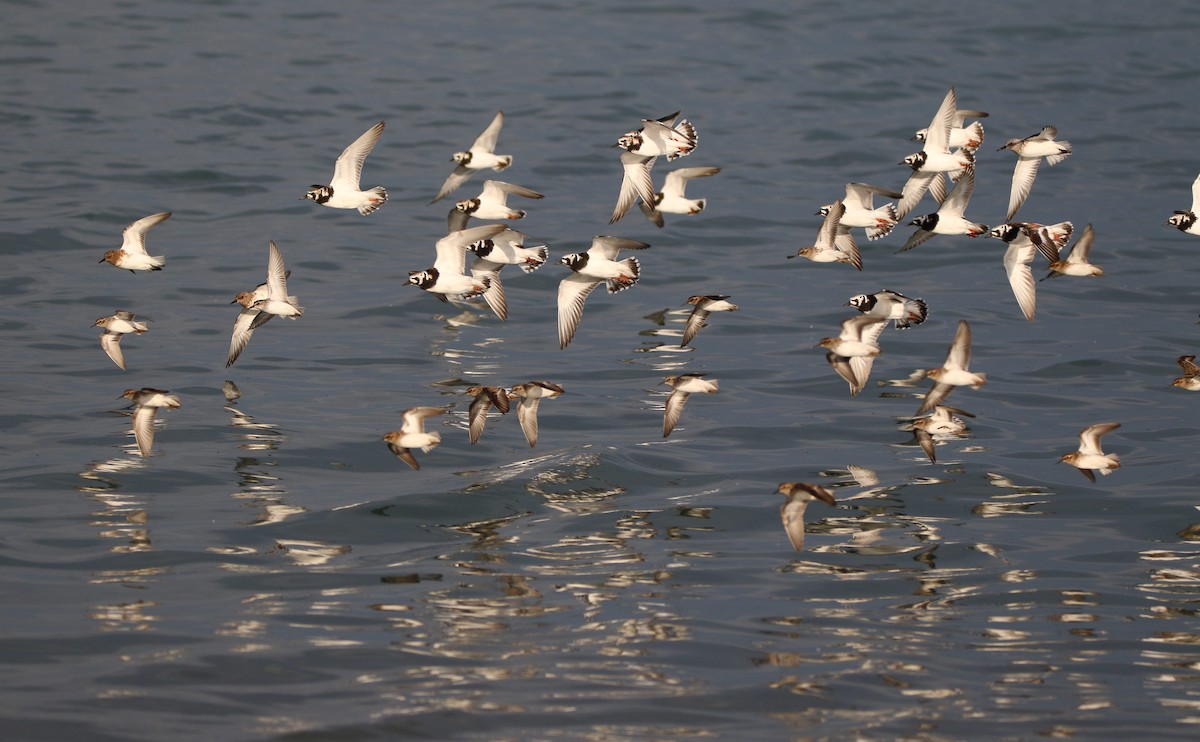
(629, 277)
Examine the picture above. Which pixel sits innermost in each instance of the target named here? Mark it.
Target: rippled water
(273, 572)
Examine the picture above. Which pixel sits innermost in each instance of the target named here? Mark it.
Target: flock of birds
(468, 261)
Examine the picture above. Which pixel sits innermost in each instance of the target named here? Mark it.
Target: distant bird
(1089, 458)
(939, 424)
(447, 277)
(671, 199)
(861, 210)
(146, 402)
(492, 201)
(659, 137)
(588, 270)
(682, 386)
(1075, 263)
(967, 137)
(412, 434)
(484, 399)
(343, 191)
(132, 254)
(1185, 221)
(1030, 151)
(702, 306)
(954, 372)
(933, 159)
(531, 394)
(116, 325)
(834, 243)
(1024, 240)
(799, 495)
(636, 183)
(949, 218)
(480, 156)
(1191, 374)
(891, 305)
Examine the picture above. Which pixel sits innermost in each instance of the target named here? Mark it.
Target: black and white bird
(672, 200)
(660, 137)
(492, 201)
(862, 212)
(1024, 240)
(799, 495)
(588, 270)
(447, 278)
(967, 137)
(934, 159)
(493, 253)
(343, 191)
(891, 305)
(682, 386)
(1030, 152)
(949, 219)
(1185, 221)
(481, 156)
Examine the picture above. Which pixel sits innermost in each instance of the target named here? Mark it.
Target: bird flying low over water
(343, 190)
(132, 254)
(834, 243)
(412, 434)
(954, 372)
(1185, 221)
(1030, 151)
(115, 326)
(799, 495)
(531, 395)
(671, 199)
(1089, 458)
(682, 386)
(862, 212)
(934, 159)
(588, 270)
(146, 402)
(480, 156)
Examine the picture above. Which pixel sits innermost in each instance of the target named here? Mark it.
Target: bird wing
(486, 141)
(959, 355)
(527, 415)
(276, 274)
(405, 455)
(676, 181)
(456, 178)
(143, 429)
(133, 239)
(243, 327)
(111, 342)
(937, 139)
(635, 183)
(1089, 437)
(674, 409)
(695, 321)
(1083, 246)
(452, 249)
(914, 189)
(1020, 277)
(1022, 181)
(607, 246)
(498, 190)
(956, 203)
(347, 171)
(572, 292)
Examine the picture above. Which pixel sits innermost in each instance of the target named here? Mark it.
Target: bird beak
(614, 146)
(103, 259)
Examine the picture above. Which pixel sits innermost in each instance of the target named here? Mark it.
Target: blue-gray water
(273, 572)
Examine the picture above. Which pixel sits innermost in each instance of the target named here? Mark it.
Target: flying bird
(1089, 458)
(132, 254)
(588, 269)
(682, 386)
(799, 495)
(480, 156)
(115, 326)
(671, 199)
(343, 191)
(1030, 152)
(531, 394)
(146, 402)
(412, 434)
(954, 372)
